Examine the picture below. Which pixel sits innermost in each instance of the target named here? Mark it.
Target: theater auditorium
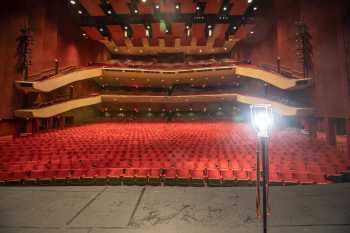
(175, 116)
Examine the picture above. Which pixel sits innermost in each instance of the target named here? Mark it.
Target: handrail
(284, 70)
(60, 108)
(51, 72)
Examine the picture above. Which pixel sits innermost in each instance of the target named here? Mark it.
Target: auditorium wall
(56, 36)
(275, 36)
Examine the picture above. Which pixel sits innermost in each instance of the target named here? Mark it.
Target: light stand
(262, 120)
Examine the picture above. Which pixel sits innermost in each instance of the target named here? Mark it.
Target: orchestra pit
(175, 116)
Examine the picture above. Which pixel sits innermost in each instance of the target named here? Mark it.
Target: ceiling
(151, 27)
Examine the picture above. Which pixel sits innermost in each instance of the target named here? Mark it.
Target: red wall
(275, 37)
(55, 36)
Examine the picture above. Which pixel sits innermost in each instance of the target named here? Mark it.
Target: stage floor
(311, 209)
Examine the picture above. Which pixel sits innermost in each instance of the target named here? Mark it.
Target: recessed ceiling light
(80, 12)
(72, 2)
(250, 1)
(255, 8)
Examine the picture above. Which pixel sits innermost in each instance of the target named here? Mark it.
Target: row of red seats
(169, 175)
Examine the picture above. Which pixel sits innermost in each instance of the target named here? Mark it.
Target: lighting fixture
(262, 119)
(72, 2)
(80, 12)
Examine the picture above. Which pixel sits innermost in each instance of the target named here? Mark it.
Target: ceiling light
(72, 2)
(187, 27)
(252, 32)
(198, 8)
(84, 34)
(144, 0)
(80, 12)
(136, 11)
(177, 6)
(157, 6)
(250, 1)
(235, 28)
(225, 8)
(126, 27)
(109, 12)
(101, 29)
(255, 8)
(209, 26)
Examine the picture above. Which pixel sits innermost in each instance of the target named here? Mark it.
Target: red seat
(183, 173)
(170, 174)
(227, 175)
(197, 174)
(142, 173)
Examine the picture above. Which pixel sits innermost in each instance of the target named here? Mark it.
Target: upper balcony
(148, 73)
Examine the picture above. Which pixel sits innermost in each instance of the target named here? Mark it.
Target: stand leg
(265, 177)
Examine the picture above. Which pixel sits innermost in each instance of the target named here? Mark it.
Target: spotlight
(262, 119)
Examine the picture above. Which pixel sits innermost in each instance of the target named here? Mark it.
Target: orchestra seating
(197, 154)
